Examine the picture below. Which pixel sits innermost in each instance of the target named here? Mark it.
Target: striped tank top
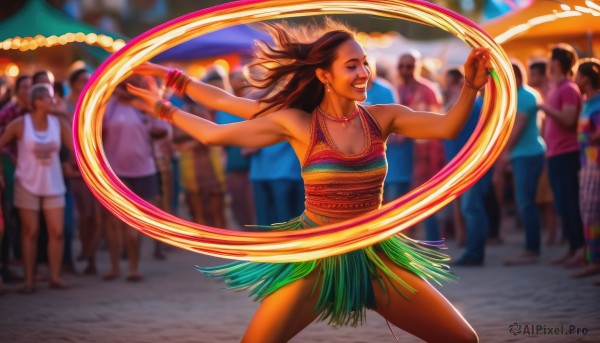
(338, 185)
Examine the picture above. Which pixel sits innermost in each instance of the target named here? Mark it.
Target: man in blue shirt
(525, 151)
(277, 183)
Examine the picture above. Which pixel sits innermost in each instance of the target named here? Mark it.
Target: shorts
(28, 201)
(146, 187)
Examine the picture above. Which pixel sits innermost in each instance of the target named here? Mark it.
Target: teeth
(364, 85)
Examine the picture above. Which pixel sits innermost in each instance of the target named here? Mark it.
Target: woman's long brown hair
(285, 72)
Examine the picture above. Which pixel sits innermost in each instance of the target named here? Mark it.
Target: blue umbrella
(236, 39)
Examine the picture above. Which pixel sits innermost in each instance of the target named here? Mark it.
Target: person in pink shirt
(419, 94)
(127, 137)
(562, 106)
(538, 79)
(416, 92)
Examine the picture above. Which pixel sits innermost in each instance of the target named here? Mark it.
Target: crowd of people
(550, 169)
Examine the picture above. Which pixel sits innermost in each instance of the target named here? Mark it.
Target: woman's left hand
(477, 66)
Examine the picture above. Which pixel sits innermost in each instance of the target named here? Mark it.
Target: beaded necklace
(343, 120)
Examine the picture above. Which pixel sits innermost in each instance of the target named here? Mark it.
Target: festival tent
(237, 39)
(38, 25)
(528, 33)
(227, 48)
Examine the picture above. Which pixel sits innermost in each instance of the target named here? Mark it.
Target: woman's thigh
(424, 313)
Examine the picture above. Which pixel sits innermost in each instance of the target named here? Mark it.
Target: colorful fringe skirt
(346, 280)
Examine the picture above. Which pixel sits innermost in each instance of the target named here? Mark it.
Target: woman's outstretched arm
(418, 124)
(257, 133)
(208, 95)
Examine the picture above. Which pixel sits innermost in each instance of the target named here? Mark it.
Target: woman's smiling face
(350, 72)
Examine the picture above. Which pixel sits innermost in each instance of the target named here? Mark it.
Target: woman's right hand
(151, 69)
(145, 99)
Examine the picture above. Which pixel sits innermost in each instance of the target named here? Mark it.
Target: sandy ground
(175, 303)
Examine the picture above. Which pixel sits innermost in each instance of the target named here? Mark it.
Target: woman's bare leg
(194, 200)
(84, 237)
(426, 314)
(217, 208)
(133, 245)
(114, 228)
(162, 202)
(86, 220)
(550, 222)
(55, 225)
(284, 313)
(97, 230)
(30, 227)
(459, 224)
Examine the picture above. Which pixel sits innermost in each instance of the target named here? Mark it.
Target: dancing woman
(314, 80)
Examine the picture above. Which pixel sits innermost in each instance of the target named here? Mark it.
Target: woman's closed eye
(354, 66)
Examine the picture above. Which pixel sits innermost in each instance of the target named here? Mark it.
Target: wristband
(164, 110)
(177, 80)
(472, 86)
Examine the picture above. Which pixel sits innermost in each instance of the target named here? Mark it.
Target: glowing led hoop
(470, 164)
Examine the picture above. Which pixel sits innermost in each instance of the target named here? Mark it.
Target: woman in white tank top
(39, 183)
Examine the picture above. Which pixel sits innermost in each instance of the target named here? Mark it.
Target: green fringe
(346, 280)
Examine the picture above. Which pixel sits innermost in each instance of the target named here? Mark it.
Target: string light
(12, 70)
(32, 43)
